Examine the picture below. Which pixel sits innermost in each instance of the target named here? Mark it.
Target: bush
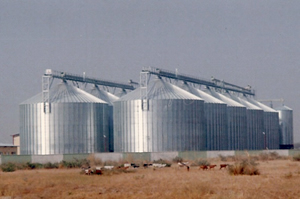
(8, 167)
(73, 164)
(275, 156)
(30, 165)
(244, 167)
(296, 157)
(92, 161)
(50, 165)
(177, 159)
(223, 158)
(201, 162)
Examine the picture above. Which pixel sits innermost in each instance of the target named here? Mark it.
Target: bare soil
(278, 179)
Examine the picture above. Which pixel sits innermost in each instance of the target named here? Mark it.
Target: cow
(108, 167)
(131, 165)
(156, 165)
(88, 171)
(212, 166)
(223, 166)
(98, 171)
(203, 167)
(127, 165)
(147, 165)
(134, 165)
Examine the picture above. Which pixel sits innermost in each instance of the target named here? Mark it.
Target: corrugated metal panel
(271, 124)
(170, 122)
(286, 125)
(255, 123)
(109, 98)
(237, 122)
(216, 119)
(70, 127)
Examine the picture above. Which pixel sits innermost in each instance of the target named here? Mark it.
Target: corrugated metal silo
(216, 119)
(237, 121)
(109, 98)
(77, 122)
(255, 123)
(171, 119)
(286, 127)
(271, 124)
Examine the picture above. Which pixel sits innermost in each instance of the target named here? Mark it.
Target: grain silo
(109, 98)
(215, 112)
(167, 119)
(102, 94)
(286, 127)
(237, 121)
(74, 121)
(255, 123)
(271, 124)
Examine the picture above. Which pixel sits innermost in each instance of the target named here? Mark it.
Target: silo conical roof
(246, 103)
(159, 89)
(103, 95)
(259, 104)
(283, 108)
(225, 99)
(65, 93)
(206, 97)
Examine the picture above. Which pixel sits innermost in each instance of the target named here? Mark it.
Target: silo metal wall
(110, 129)
(216, 126)
(237, 128)
(271, 124)
(286, 127)
(163, 125)
(69, 128)
(255, 129)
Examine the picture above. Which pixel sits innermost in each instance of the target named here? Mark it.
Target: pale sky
(242, 42)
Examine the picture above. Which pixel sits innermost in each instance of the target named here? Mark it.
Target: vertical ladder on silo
(46, 83)
(144, 90)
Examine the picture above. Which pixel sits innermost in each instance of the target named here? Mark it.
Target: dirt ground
(277, 179)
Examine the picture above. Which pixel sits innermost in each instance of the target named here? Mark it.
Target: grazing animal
(223, 166)
(98, 171)
(131, 165)
(159, 165)
(127, 165)
(134, 165)
(212, 166)
(88, 172)
(184, 164)
(203, 167)
(108, 167)
(147, 165)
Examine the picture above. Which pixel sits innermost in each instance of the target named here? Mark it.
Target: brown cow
(212, 166)
(223, 166)
(203, 167)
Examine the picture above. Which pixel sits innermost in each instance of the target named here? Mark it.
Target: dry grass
(278, 179)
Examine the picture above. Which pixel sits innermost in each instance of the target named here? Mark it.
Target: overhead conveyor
(215, 83)
(50, 74)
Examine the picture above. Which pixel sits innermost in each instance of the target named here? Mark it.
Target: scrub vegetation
(274, 178)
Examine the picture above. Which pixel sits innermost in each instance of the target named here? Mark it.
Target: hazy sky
(243, 42)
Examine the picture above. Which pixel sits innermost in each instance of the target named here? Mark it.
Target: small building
(16, 142)
(8, 149)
